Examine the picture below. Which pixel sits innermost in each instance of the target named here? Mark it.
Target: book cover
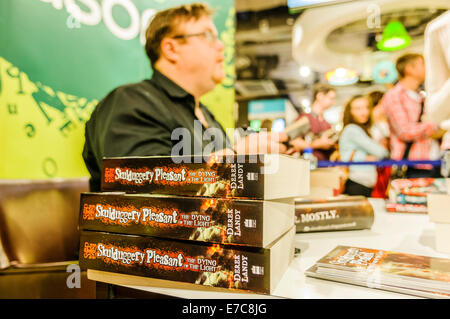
(332, 214)
(233, 221)
(267, 176)
(406, 208)
(313, 272)
(388, 267)
(232, 267)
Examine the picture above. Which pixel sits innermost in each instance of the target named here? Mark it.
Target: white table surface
(400, 232)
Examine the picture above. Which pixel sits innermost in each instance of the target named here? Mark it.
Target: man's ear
(319, 96)
(408, 68)
(170, 49)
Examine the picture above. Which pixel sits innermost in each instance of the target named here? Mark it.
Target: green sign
(59, 57)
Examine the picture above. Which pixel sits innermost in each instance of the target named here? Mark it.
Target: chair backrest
(39, 219)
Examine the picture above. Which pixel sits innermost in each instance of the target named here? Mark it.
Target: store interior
(280, 49)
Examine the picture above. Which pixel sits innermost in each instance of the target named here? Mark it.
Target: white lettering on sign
(98, 12)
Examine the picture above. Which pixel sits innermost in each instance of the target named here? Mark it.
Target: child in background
(356, 144)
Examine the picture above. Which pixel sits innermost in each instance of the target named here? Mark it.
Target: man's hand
(323, 142)
(262, 143)
(223, 152)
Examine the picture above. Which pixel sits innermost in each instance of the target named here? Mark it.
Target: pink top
(403, 111)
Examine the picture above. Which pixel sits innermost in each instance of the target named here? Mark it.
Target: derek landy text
(233, 222)
(237, 176)
(240, 268)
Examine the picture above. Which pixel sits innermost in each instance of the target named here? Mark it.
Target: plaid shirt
(403, 111)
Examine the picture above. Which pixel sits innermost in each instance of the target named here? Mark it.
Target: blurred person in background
(411, 138)
(380, 132)
(356, 144)
(437, 82)
(319, 138)
(380, 126)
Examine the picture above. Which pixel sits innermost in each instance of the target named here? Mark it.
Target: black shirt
(139, 120)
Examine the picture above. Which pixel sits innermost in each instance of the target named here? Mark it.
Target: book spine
(208, 265)
(200, 219)
(410, 199)
(225, 179)
(333, 216)
(406, 208)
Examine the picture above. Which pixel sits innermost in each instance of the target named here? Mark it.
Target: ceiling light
(305, 102)
(395, 37)
(341, 76)
(305, 71)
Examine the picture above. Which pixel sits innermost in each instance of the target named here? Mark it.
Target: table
(401, 232)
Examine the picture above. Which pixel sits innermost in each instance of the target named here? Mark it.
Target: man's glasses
(209, 35)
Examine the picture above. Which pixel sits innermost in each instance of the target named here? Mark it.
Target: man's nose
(220, 45)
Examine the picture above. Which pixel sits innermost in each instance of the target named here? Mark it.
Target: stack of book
(333, 214)
(438, 211)
(182, 222)
(393, 271)
(410, 195)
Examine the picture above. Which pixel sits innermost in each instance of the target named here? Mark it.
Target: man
(146, 118)
(404, 108)
(319, 137)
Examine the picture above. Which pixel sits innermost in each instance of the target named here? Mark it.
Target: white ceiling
(317, 44)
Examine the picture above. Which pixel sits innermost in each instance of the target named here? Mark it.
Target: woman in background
(356, 144)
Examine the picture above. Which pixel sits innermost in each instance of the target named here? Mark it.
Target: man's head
(324, 95)
(183, 41)
(411, 65)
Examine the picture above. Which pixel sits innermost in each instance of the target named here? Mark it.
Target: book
(312, 272)
(410, 195)
(401, 198)
(406, 208)
(217, 220)
(327, 182)
(438, 205)
(415, 190)
(382, 269)
(215, 265)
(442, 237)
(331, 214)
(263, 176)
(438, 213)
(419, 186)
